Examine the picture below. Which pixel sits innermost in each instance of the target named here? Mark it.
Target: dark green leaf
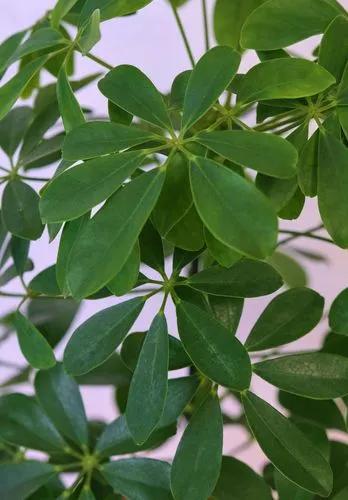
(127, 278)
(69, 107)
(308, 166)
(13, 127)
(8, 48)
(338, 316)
(188, 233)
(223, 254)
(227, 310)
(90, 33)
(11, 272)
(288, 490)
(45, 282)
(119, 115)
(41, 39)
(178, 90)
(60, 10)
(112, 372)
(279, 191)
(19, 251)
(45, 153)
(151, 247)
(334, 47)
(111, 8)
(19, 480)
(293, 274)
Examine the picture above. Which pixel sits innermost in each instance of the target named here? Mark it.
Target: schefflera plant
(192, 186)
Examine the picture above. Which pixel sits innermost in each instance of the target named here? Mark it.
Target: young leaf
(212, 348)
(332, 187)
(287, 447)
(20, 480)
(97, 255)
(99, 138)
(338, 316)
(287, 317)
(142, 478)
(13, 127)
(285, 78)
(246, 278)
(197, 461)
(280, 23)
(79, 189)
(134, 92)
(90, 34)
(98, 337)
(266, 153)
(148, 389)
(127, 277)
(60, 397)
(312, 375)
(210, 77)
(334, 47)
(69, 107)
(233, 210)
(33, 344)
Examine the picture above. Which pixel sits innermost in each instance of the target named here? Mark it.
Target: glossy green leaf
(287, 317)
(279, 23)
(313, 375)
(246, 278)
(59, 396)
(7, 48)
(338, 316)
(139, 478)
(111, 8)
(285, 78)
(332, 183)
(20, 480)
(210, 77)
(279, 191)
(227, 310)
(134, 92)
(24, 423)
(90, 34)
(60, 10)
(13, 127)
(266, 153)
(334, 47)
(288, 490)
(99, 138)
(79, 189)
(98, 337)
(69, 107)
(287, 447)
(97, 255)
(197, 462)
(42, 39)
(148, 389)
(127, 278)
(33, 344)
(233, 210)
(212, 348)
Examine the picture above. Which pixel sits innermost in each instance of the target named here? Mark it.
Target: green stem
(206, 26)
(183, 33)
(38, 179)
(280, 121)
(13, 295)
(99, 61)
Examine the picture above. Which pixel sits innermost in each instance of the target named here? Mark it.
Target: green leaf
(45, 283)
(13, 127)
(148, 389)
(233, 210)
(151, 247)
(111, 372)
(20, 210)
(223, 254)
(280, 23)
(288, 490)
(178, 90)
(229, 17)
(111, 8)
(332, 187)
(134, 92)
(78, 189)
(293, 274)
(90, 34)
(59, 396)
(69, 107)
(279, 191)
(334, 47)
(287, 317)
(11, 90)
(97, 338)
(246, 278)
(39, 40)
(287, 447)
(338, 316)
(240, 482)
(11, 272)
(210, 77)
(227, 310)
(45, 153)
(188, 233)
(99, 138)
(98, 255)
(33, 344)
(20, 480)
(197, 461)
(7, 48)
(341, 495)
(60, 10)
(23, 423)
(308, 166)
(285, 78)
(139, 478)
(266, 153)
(19, 251)
(212, 348)
(127, 278)
(313, 375)
(119, 115)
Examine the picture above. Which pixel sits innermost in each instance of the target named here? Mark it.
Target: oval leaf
(338, 316)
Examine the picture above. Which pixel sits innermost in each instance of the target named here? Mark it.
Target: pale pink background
(150, 40)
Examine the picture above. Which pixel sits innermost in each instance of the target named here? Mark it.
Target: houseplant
(194, 184)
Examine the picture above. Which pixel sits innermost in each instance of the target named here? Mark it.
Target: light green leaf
(287, 317)
(233, 210)
(148, 389)
(98, 255)
(98, 337)
(285, 78)
(313, 375)
(223, 254)
(69, 107)
(246, 278)
(197, 462)
(210, 77)
(279, 23)
(266, 153)
(100, 138)
(90, 34)
(7, 48)
(20, 210)
(293, 274)
(212, 348)
(60, 10)
(33, 344)
(41, 39)
(287, 447)
(111, 8)
(334, 47)
(20, 480)
(13, 127)
(134, 92)
(338, 316)
(59, 396)
(127, 277)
